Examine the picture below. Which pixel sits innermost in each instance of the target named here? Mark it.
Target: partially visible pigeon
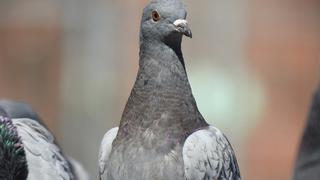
(307, 165)
(162, 135)
(42, 156)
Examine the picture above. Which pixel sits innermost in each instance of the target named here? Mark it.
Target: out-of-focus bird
(162, 135)
(39, 157)
(307, 165)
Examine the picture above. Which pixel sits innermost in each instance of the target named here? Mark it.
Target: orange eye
(155, 16)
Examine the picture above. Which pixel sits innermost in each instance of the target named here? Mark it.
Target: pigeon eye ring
(155, 16)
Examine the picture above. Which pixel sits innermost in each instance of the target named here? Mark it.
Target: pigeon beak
(183, 28)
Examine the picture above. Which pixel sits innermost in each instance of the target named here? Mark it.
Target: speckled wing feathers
(45, 160)
(208, 155)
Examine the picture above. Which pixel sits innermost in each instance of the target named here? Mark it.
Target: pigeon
(307, 164)
(162, 134)
(40, 154)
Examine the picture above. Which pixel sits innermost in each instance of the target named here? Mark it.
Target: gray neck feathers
(162, 72)
(162, 63)
(161, 97)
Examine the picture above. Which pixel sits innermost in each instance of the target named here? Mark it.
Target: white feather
(105, 149)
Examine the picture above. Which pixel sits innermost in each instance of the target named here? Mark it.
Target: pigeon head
(164, 21)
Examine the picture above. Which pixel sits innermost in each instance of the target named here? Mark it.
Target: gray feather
(45, 160)
(37, 129)
(208, 155)
(19, 110)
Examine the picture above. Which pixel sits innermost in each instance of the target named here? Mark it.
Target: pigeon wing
(45, 160)
(207, 154)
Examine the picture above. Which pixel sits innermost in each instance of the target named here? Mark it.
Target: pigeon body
(43, 156)
(308, 161)
(162, 134)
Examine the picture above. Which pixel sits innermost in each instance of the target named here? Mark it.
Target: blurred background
(253, 66)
